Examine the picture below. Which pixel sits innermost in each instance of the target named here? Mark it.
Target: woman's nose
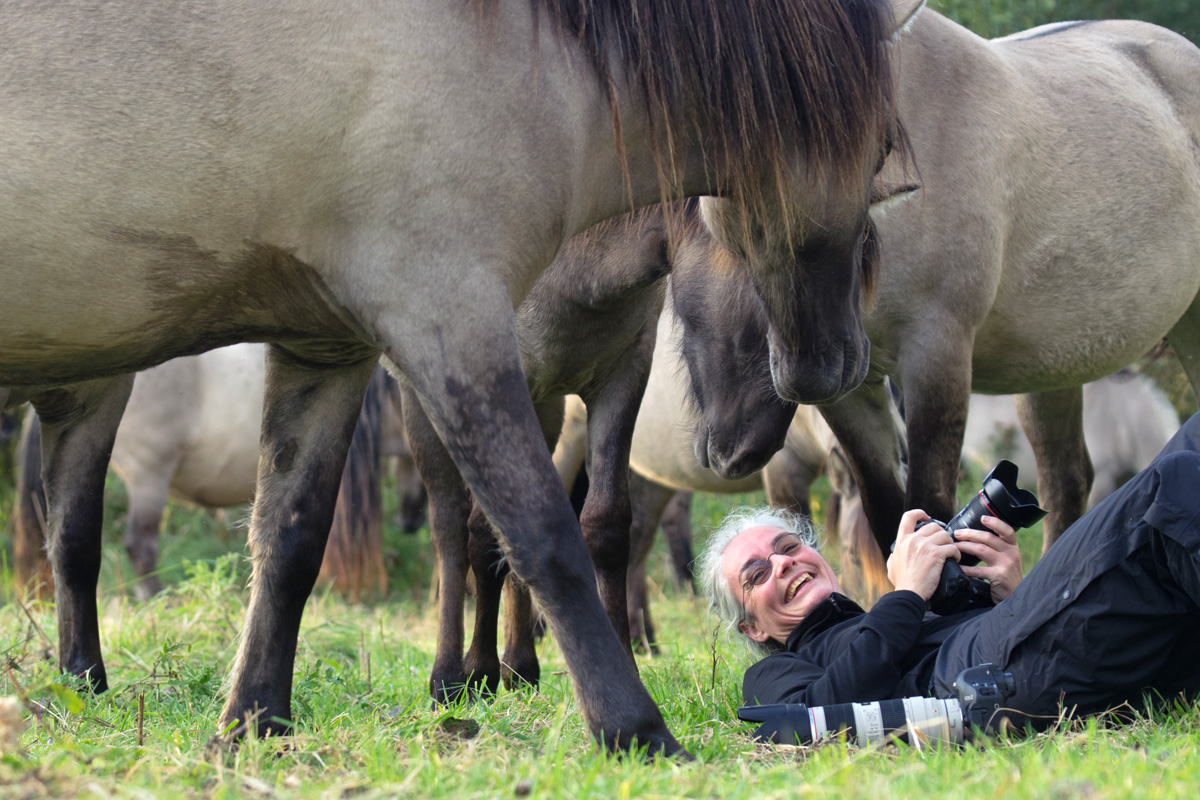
(780, 562)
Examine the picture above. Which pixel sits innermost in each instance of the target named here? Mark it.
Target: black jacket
(842, 654)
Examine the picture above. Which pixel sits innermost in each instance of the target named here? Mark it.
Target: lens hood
(1018, 507)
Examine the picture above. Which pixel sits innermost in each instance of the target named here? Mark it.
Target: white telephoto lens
(868, 723)
(930, 720)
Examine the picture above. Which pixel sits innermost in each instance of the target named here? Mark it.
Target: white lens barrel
(918, 720)
(932, 720)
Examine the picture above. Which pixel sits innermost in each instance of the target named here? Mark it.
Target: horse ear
(904, 12)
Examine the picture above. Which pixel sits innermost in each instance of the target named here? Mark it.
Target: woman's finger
(1001, 528)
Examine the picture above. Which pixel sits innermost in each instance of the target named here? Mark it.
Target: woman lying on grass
(1110, 614)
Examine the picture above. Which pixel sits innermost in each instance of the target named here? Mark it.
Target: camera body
(1000, 497)
(981, 692)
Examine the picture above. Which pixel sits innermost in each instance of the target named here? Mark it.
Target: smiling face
(797, 580)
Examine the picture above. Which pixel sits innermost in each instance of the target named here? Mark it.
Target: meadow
(365, 726)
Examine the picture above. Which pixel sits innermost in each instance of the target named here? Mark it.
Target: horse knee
(74, 560)
(606, 531)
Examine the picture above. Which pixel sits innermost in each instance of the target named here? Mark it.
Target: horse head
(799, 218)
(810, 286)
(740, 419)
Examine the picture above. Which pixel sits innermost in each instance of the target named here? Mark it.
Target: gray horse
(342, 180)
(190, 431)
(1046, 235)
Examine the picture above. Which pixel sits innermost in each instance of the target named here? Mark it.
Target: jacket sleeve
(861, 667)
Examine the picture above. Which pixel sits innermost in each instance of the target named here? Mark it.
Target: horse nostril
(700, 445)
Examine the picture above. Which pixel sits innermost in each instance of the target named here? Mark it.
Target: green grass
(365, 727)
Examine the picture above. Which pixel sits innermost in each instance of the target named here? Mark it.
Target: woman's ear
(753, 632)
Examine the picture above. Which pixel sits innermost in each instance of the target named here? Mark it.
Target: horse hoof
(483, 685)
(95, 678)
(483, 674)
(521, 678)
(448, 692)
(660, 744)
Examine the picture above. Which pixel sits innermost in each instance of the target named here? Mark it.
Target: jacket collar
(832, 610)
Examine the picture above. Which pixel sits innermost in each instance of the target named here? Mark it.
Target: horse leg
(34, 577)
(866, 428)
(79, 425)
(937, 393)
(1053, 421)
(473, 388)
(449, 506)
(147, 499)
(647, 500)
(311, 406)
(676, 524)
(607, 518)
(482, 664)
(520, 667)
(787, 481)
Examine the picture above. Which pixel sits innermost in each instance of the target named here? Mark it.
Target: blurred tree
(992, 18)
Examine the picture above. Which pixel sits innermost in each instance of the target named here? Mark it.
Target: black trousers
(1111, 613)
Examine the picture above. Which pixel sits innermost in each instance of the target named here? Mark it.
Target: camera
(981, 691)
(999, 497)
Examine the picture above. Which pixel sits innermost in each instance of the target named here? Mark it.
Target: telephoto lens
(919, 721)
(916, 720)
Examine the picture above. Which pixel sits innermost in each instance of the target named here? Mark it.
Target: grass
(365, 726)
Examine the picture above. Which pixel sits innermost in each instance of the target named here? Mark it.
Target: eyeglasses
(757, 572)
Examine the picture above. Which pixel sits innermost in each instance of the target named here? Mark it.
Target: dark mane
(763, 76)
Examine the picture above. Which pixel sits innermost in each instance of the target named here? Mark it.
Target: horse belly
(126, 306)
(1070, 337)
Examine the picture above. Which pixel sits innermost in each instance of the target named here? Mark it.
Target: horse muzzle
(821, 376)
(736, 452)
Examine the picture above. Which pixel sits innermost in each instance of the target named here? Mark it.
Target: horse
(710, 419)
(1126, 422)
(587, 328)
(1005, 262)
(190, 431)
(345, 181)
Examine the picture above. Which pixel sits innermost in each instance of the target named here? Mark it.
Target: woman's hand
(998, 551)
(919, 553)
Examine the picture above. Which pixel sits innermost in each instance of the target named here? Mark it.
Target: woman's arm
(859, 663)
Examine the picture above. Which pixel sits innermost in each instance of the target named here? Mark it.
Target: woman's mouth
(795, 587)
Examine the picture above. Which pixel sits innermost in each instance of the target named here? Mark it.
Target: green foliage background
(992, 18)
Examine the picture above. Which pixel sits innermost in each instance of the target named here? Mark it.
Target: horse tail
(353, 563)
(862, 570)
(861, 564)
(34, 578)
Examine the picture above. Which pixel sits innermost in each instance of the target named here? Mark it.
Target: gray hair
(722, 601)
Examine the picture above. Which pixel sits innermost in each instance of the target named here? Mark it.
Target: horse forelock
(762, 79)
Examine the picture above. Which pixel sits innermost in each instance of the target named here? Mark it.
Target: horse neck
(627, 173)
(934, 45)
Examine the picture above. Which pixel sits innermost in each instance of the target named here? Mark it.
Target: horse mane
(762, 78)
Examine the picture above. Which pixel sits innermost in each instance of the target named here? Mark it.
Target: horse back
(1160, 60)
